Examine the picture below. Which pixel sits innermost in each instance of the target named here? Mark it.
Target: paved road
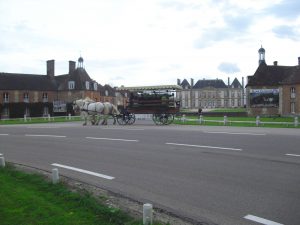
(214, 175)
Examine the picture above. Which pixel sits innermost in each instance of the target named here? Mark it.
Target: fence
(225, 121)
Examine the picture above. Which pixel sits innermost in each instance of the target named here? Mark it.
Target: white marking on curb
(220, 132)
(293, 155)
(4, 134)
(83, 171)
(204, 146)
(44, 135)
(261, 220)
(111, 139)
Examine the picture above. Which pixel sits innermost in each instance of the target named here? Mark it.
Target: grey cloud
(115, 63)
(228, 67)
(286, 32)
(288, 9)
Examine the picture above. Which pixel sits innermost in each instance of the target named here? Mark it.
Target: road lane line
(111, 139)
(292, 155)
(221, 132)
(134, 129)
(42, 127)
(1, 154)
(83, 171)
(4, 134)
(44, 135)
(204, 146)
(261, 220)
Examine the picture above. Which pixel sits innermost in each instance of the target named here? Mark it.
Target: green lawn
(39, 120)
(30, 199)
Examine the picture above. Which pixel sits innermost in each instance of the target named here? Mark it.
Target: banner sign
(264, 97)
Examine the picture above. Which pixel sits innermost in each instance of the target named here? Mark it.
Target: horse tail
(115, 109)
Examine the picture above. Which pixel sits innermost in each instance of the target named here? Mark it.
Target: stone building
(211, 94)
(273, 89)
(40, 95)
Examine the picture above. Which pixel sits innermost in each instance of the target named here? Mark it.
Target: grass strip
(31, 199)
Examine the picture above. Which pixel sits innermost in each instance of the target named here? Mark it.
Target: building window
(87, 85)
(45, 97)
(71, 85)
(95, 86)
(26, 97)
(5, 97)
(293, 92)
(126, 95)
(106, 92)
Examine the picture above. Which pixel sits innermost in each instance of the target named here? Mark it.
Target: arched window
(293, 92)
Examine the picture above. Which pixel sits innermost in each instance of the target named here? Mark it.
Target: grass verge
(31, 199)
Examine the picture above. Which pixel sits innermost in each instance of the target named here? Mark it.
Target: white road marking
(220, 132)
(84, 171)
(44, 135)
(204, 146)
(292, 155)
(42, 127)
(111, 139)
(122, 129)
(1, 154)
(261, 220)
(4, 134)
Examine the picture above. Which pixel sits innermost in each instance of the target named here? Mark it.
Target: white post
(257, 121)
(25, 118)
(2, 162)
(296, 123)
(183, 118)
(200, 119)
(69, 116)
(147, 214)
(55, 176)
(49, 118)
(225, 120)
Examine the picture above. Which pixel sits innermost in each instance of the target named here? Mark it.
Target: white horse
(91, 109)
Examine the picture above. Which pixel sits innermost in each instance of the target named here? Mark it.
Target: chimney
(192, 82)
(228, 82)
(50, 68)
(275, 63)
(178, 82)
(72, 66)
(298, 61)
(243, 85)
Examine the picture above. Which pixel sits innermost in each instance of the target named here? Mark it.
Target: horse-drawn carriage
(160, 101)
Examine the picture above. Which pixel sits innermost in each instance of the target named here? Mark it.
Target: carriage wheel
(131, 118)
(121, 119)
(162, 118)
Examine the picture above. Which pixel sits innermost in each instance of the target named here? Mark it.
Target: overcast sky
(135, 42)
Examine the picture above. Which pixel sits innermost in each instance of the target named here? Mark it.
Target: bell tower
(261, 55)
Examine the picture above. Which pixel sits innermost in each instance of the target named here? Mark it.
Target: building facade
(211, 94)
(40, 95)
(273, 89)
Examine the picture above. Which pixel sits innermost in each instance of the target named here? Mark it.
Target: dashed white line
(1, 154)
(220, 132)
(261, 220)
(134, 129)
(204, 146)
(44, 135)
(111, 139)
(292, 155)
(83, 171)
(42, 127)
(4, 134)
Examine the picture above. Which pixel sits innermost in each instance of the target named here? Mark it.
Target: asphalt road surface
(213, 175)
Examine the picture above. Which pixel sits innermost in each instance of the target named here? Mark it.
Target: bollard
(200, 119)
(2, 162)
(257, 121)
(183, 118)
(225, 120)
(69, 116)
(296, 123)
(55, 176)
(147, 214)
(25, 118)
(49, 118)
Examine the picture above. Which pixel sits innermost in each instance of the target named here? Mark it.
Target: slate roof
(185, 83)
(274, 75)
(236, 83)
(210, 83)
(14, 81)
